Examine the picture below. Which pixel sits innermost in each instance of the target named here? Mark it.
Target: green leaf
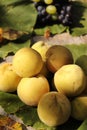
(10, 102)
(41, 126)
(13, 105)
(83, 126)
(12, 47)
(18, 15)
(8, 2)
(53, 29)
(79, 19)
(28, 114)
(77, 50)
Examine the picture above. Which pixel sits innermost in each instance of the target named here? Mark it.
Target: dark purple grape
(68, 8)
(67, 16)
(60, 17)
(58, 7)
(65, 21)
(63, 14)
(48, 17)
(43, 19)
(40, 8)
(43, 12)
(39, 15)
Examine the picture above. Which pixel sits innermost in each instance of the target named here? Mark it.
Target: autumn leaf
(11, 34)
(8, 123)
(1, 33)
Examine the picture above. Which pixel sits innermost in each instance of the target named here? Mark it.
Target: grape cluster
(53, 11)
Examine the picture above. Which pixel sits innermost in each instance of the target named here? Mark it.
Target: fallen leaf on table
(10, 124)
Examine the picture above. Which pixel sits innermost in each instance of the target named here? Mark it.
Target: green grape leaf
(54, 29)
(77, 50)
(82, 0)
(10, 102)
(18, 15)
(41, 126)
(79, 19)
(28, 114)
(83, 125)
(13, 105)
(12, 47)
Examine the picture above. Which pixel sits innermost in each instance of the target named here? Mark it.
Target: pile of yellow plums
(46, 77)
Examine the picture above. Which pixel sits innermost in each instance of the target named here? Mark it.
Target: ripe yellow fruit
(27, 62)
(42, 48)
(54, 108)
(70, 80)
(30, 90)
(79, 107)
(57, 56)
(9, 80)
